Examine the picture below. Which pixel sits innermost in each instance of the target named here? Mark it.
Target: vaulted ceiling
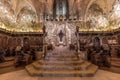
(38, 6)
(22, 12)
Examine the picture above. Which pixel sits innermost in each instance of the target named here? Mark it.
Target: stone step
(81, 66)
(115, 64)
(6, 64)
(65, 55)
(89, 72)
(115, 59)
(61, 56)
(62, 59)
(59, 63)
(73, 54)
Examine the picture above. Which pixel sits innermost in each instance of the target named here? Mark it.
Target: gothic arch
(96, 41)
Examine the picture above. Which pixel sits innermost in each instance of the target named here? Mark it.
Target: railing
(44, 42)
(78, 45)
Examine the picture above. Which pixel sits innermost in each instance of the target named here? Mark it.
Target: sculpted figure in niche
(61, 34)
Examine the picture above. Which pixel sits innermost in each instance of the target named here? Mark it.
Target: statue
(44, 29)
(61, 34)
(77, 29)
(33, 23)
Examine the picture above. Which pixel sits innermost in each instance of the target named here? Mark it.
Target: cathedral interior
(59, 39)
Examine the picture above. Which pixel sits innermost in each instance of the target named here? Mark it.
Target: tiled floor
(23, 75)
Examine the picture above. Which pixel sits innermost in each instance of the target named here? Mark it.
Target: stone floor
(23, 75)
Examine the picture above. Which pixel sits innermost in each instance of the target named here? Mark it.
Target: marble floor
(23, 75)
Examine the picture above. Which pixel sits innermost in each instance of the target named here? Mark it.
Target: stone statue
(44, 29)
(61, 34)
(77, 29)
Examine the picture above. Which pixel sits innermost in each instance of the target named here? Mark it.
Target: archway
(96, 41)
(26, 44)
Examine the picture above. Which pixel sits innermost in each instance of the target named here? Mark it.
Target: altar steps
(61, 63)
(62, 59)
(61, 68)
(64, 67)
(115, 62)
(62, 73)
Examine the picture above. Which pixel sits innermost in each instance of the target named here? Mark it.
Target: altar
(60, 33)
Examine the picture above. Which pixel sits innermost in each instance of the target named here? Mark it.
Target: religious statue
(61, 34)
(44, 29)
(33, 23)
(77, 29)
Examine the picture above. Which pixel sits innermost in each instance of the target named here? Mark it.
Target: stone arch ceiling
(32, 10)
(105, 5)
(38, 6)
(18, 5)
